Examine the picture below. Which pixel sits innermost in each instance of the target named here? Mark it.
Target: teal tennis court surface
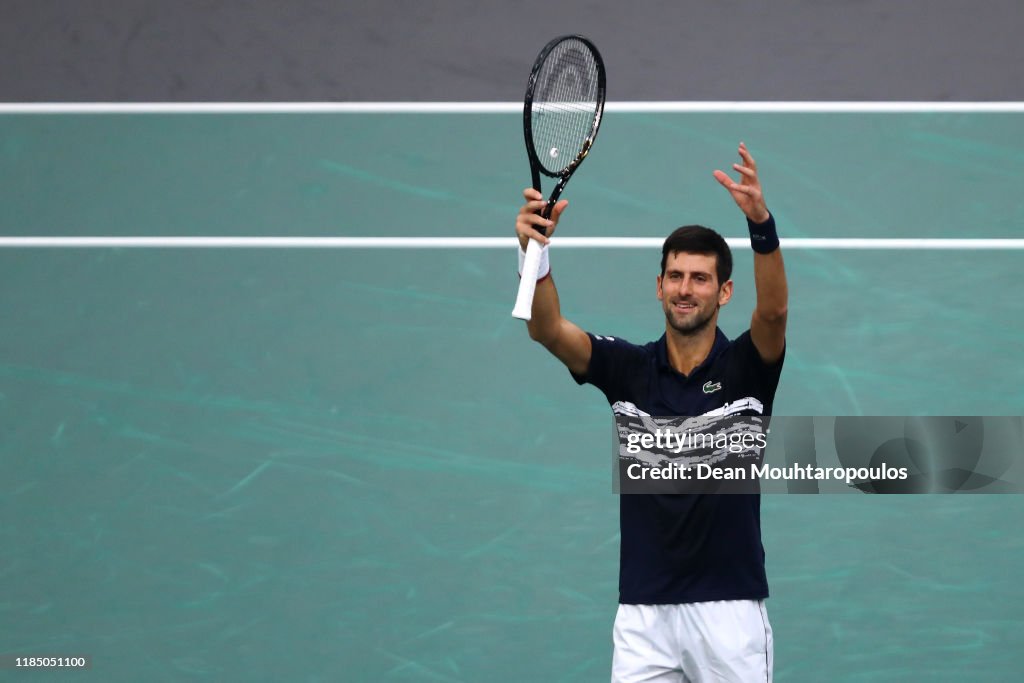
(352, 464)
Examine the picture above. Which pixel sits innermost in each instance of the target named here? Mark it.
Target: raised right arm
(565, 340)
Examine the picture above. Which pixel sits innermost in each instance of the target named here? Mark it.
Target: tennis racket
(561, 114)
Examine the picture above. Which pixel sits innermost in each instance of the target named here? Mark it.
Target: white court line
(913, 244)
(497, 107)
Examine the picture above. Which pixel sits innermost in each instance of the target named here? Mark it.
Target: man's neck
(687, 351)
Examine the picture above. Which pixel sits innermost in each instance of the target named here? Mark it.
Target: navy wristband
(763, 238)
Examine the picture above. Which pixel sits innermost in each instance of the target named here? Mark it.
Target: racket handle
(528, 282)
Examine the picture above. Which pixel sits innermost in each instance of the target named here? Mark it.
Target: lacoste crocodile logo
(712, 387)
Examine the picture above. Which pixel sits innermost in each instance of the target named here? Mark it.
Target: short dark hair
(696, 239)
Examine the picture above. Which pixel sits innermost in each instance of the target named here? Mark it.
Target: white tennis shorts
(699, 642)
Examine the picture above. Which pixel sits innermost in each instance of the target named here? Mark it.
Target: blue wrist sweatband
(763, 238)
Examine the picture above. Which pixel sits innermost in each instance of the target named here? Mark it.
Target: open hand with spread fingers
(747, 192)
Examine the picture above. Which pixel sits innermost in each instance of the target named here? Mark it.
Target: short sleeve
(766, 374)
(615, 365)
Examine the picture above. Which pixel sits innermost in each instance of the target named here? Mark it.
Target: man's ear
(660, 293)
(725, 293)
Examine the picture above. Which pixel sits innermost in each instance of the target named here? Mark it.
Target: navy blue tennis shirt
(687, 547)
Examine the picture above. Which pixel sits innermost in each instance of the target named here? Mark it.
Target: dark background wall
(330, 50)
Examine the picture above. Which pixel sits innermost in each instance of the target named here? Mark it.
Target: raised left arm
(768, 323)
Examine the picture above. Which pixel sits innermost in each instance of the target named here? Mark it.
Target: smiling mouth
(684, 307)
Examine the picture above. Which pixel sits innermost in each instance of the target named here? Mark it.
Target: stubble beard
(696, 324)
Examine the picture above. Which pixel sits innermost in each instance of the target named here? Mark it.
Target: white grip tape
(532, 266)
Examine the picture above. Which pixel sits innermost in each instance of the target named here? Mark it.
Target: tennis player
(692, 582)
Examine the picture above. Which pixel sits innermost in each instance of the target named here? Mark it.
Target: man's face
(690, 293)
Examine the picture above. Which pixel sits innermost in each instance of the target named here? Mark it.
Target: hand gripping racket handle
(528, 282)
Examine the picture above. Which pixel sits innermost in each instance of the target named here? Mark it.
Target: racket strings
(565, 105)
